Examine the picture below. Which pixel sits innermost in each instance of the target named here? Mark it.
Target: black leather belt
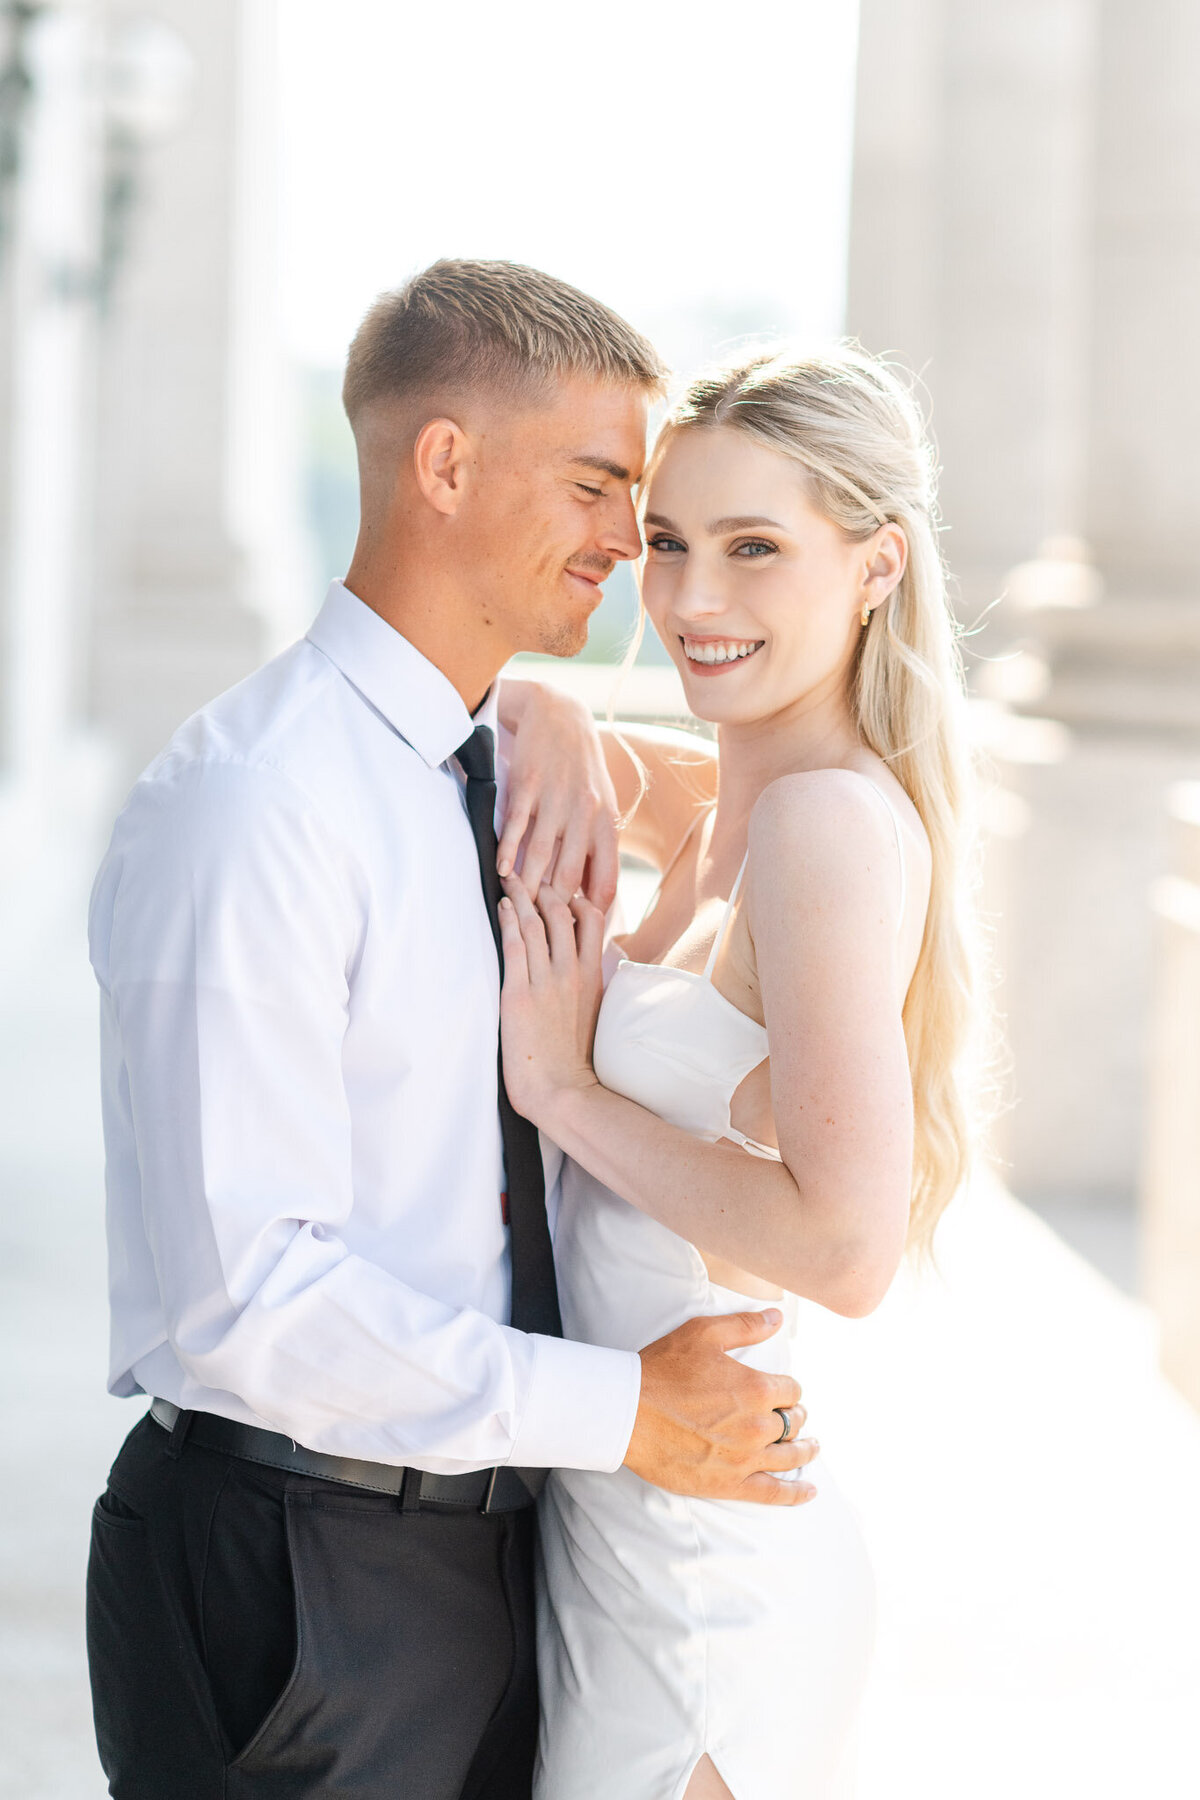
(484, 1490)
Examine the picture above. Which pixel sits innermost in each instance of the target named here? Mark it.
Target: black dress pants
(258, 1635)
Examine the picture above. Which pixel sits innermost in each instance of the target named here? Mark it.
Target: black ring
(786, 1416)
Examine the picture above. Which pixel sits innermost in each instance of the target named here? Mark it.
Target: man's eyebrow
(715, 527)
(585, 460)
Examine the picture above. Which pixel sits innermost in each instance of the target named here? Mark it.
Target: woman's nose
(697, 597)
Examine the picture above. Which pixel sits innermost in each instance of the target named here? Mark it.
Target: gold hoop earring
(865, 614)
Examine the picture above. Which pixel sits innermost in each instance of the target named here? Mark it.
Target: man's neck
(437, 621)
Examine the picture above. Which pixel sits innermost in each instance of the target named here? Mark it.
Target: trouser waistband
(483, 1490)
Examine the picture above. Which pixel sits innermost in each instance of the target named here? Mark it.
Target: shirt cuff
(580, 1407)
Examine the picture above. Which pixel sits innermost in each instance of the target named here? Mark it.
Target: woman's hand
(561, 803)
(550, 996)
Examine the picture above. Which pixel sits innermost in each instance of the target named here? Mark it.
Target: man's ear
(442, 456)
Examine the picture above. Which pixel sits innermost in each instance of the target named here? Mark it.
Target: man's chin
(566, 637)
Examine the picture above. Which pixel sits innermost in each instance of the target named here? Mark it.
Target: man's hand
(562, 807)
(705, 1424)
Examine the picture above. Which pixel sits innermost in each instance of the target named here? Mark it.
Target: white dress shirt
(299, 1015)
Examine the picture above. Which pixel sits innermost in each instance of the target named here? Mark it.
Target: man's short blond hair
(460, 326)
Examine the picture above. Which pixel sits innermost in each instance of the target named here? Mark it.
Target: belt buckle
(489, 1491)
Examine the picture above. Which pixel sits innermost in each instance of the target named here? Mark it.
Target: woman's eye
(752, 547)
(666, 546)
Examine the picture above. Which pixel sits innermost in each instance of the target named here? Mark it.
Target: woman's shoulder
(843, 829)
(844, 798)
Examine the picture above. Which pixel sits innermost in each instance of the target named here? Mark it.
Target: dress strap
(674, 857)
(754, 1146)
(711, 964)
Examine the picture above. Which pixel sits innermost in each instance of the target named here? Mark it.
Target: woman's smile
(713, 655)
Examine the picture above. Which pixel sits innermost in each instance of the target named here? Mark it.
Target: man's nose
(622, 538)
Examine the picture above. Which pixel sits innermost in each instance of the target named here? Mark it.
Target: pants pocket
(246, 1606)
(261, 1735)
(153, 1728)
(110, 1509)
(117, 1569)
(403, 1653)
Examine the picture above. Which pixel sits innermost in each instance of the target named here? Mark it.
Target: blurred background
(198, 199)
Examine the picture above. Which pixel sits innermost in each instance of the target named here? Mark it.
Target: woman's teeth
(720, 650)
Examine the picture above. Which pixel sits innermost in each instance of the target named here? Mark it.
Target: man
(329, 1238)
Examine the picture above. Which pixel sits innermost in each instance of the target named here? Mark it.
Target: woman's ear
(886, 561)
(441, 458)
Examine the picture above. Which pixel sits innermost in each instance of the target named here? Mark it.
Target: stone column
(1123, 674)
(1026, 215)
(13, 57)
(47, 248)
(968, 255)
(1171, 1188)
(195, 542)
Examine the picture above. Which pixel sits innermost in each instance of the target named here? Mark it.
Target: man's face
(551, 511)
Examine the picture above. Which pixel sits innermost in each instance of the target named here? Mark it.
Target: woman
(771, 1107)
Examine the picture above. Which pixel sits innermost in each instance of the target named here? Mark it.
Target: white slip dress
(670, 1628)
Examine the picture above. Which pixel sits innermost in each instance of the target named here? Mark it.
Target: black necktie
(534, 1294)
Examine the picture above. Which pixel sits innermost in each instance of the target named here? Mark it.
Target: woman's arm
(568, 776)
(561, 806)
(661, 774)
(830, 1222)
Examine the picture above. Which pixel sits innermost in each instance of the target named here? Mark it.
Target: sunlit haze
(687, 163)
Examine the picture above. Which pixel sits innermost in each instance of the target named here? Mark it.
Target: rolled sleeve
(579, 1408)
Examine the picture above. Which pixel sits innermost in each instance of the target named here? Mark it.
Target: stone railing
(648, 691)
(1171, 1189)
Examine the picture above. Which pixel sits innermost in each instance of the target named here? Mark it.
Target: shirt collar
(412, 694)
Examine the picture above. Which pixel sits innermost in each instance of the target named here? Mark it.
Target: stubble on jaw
(562, 633)
(561, 637)
(553, 634)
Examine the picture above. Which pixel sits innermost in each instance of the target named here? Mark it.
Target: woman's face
(756, 595)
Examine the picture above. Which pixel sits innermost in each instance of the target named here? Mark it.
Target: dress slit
(717, 1770)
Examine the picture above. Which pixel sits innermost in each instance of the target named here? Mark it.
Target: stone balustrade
(1171, 1186)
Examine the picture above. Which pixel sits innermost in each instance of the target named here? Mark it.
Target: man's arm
(225, 936)
(226, 932)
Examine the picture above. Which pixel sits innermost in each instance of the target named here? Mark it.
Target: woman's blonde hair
(851, 423)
